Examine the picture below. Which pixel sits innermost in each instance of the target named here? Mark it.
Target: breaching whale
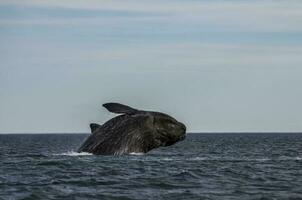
(133, 131)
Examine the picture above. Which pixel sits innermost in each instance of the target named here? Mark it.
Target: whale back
(122, 134)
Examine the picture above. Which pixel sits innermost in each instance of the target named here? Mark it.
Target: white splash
(73, 153)
(136, 153)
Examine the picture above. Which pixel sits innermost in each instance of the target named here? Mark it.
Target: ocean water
(203, 166)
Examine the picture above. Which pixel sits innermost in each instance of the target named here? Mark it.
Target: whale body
(133, 131)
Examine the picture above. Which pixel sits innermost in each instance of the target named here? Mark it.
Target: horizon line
(201, 132)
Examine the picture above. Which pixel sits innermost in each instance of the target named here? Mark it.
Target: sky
(217, 66)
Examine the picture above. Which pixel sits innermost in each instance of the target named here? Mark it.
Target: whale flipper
(94, 127)
(120, 108)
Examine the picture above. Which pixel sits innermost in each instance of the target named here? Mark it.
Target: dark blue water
(204, 166)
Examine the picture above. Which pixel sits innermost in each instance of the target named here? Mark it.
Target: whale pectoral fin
(94, 126)
(120, 108)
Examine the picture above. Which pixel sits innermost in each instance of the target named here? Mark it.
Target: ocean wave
(199, 158)
(282, 158)
(167, 159)
(290, 158)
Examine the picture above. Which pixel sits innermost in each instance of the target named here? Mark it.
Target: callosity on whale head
(134, 131)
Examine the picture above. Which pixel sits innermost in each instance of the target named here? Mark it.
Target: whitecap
(199, 158)
(289, 158)
(167, 159)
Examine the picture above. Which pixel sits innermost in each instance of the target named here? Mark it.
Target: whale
(132, 131)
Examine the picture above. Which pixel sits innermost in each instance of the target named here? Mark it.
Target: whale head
(167, 130)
